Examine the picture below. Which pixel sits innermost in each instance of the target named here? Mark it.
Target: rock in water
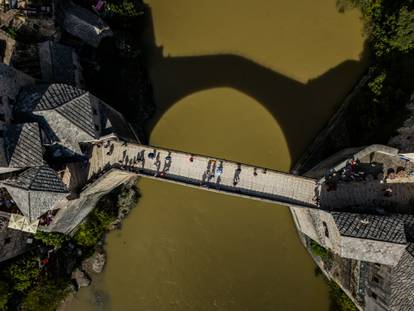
(81, 278)
(95, 263)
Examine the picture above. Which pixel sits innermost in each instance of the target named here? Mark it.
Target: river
(242, 80)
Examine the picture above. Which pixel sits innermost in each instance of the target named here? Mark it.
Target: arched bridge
(202, 172)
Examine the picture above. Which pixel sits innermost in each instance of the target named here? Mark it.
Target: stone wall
(75, 211)
(371, 251)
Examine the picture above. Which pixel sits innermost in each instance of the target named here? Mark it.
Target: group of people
(351, 172)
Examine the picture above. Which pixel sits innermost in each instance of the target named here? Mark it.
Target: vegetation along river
(251, 81)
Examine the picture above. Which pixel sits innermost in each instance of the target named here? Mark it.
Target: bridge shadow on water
(299, 109)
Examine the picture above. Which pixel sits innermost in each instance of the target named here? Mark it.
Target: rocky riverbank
(116, 72)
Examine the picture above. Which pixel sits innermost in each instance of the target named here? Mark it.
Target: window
(325, 226)
(7, 241)
(374, 296)
(375, 279)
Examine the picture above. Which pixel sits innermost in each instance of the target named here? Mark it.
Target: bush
(90, 232)
(340, 300)
(122, 9)
(377, 83)
(24, 273)
(54, 239)
(46, 297)
(11, 32)
(4, 295)
(93, 229)
(318, 250)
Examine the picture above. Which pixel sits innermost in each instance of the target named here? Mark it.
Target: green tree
(340, 300)
(54, 239)
(46, 297)
(4, 295)
(403, 36)
(318, 250)
(124, 8)
(376, 84)
(24, 273)
(93, 229)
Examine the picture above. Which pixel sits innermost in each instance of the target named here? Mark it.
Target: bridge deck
(203, 172)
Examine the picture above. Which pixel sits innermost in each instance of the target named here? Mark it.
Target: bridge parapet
(203, 172)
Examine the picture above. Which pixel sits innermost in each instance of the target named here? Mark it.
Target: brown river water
(251, 81)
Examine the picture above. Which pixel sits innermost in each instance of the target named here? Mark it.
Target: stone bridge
(202, 172)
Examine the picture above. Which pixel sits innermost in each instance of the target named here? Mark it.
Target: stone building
(365, 220)
(82, 23)
(43, 159)
(356, 204)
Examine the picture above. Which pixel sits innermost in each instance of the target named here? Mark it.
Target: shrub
(92, 230)
(4, 295)
(24, 273)
(376, 84)
(54, 239)
(46, 297)
(123, 9)
(318, 250)
(340, 300)
(11, 32)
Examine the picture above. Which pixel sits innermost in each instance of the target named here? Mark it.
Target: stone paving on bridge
(203, 172)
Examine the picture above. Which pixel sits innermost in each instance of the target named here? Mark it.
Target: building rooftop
(12, 80)
(59, 63)
(82, 23)
(390, 228)
(23, 145)
(45, 97)
(36, 190)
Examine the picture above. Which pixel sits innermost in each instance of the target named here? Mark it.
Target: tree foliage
(403, 37)
(4, 295)
(24, 272)
(123, 8)
(389, 24)
(340, 300)
(318, 250)
(46, 297)
(389, 27)
(54, 239)
(93, 229)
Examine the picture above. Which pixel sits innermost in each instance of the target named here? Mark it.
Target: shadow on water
(299, 109)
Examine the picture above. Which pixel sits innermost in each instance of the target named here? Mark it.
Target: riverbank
(379, 110)
(377, 107)
(57, 265)
(205, 234)
(100, 80)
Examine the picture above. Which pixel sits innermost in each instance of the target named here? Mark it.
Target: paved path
(203, 172)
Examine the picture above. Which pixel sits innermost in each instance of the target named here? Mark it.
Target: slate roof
(45, 97)
(57, 63)
(36, 191)
(74, 104)
(115, 122)
(402, 282)
(82, 23)
(79, 112)
(12, 80)
(42, 178)
(23, 145)
(375, 227)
